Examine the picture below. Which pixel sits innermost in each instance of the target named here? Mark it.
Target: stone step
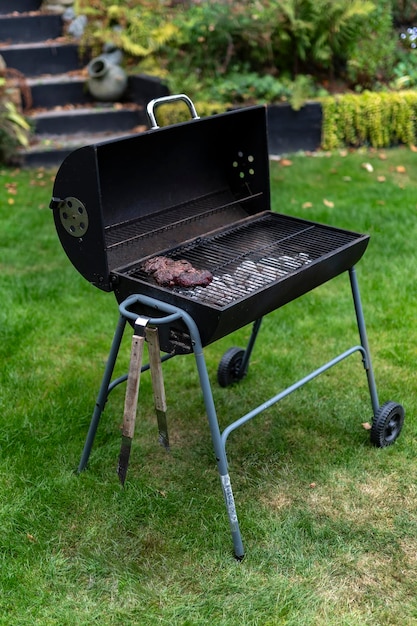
(60, 89)
(51, 150)
(20, 6)
(70, 88)
(50, 57)
(61, 129)
(95, 119)
(29, 28)
(63, 114)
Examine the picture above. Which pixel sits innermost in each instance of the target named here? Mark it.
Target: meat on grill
(179, 273)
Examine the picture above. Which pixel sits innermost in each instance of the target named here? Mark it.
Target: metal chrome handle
(153, 104)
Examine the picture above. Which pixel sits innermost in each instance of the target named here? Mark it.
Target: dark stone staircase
(63, 113)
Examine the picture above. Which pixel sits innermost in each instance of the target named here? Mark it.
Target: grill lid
(119, 201)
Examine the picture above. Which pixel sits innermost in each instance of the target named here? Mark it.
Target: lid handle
(153, 104)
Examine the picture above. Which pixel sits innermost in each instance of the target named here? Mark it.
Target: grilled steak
(179, 273)
(193, 277)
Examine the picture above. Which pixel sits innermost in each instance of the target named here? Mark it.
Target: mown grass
(329, 522)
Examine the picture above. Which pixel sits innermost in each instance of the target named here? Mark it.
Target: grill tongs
(141, 333)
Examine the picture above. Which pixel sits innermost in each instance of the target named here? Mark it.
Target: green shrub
(139, 29)
(405, 71)
(371, 59)
(376, 119)
(14, 128)
(314, 35)
(404, 11)
(203, 47)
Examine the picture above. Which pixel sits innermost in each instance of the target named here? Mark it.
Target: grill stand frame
(219, 439)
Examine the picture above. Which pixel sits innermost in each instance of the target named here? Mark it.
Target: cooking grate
(251, 256)
(185, 213)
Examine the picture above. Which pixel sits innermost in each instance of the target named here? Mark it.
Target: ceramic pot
(107, 81)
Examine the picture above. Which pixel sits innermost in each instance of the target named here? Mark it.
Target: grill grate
(122, 234)
(252, 256)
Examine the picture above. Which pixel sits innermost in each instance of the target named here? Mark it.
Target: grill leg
(219, 448)
(218, 445)
(103, 393)
(251, 343)
(364, 340)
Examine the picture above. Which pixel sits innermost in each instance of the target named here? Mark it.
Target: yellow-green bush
(377, 119)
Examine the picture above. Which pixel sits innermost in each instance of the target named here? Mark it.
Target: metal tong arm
(153, 104)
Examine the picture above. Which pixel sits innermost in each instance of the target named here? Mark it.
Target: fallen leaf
(366, 426)
(347, 179)
(343, 153)
(400, 169)
(307, 205)
(382, 156)
(31, 537)
(10, 200)
(413, 148)
(381, 179)
(313, 485)
(328, 203)
(286, 162)
(368, 167)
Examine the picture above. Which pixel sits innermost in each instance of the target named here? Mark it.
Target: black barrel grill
(199, 191)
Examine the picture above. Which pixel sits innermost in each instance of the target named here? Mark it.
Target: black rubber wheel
(229, 370)
(387, 424)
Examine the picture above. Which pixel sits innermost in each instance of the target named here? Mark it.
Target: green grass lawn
(328, 521)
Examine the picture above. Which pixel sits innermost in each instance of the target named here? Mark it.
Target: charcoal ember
(228, 280)
(290, 263)
(181, 273)
(249, 266)
(305, 258)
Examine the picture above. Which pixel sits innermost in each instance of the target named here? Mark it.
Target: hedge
(371, 118)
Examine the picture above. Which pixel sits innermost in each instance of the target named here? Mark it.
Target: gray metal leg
(364, 340)
(174, 313)
(219, 448)
(219, 439)
(248, 352)
(103, 393)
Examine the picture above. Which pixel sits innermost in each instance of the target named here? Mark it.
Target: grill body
(258, 265)
(197, 191)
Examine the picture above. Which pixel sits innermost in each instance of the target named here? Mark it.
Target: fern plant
(139, 29)
(316, 34)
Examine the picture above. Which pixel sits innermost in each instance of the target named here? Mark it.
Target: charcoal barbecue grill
(199, 191)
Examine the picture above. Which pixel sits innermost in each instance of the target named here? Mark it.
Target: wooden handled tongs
(142, 332)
